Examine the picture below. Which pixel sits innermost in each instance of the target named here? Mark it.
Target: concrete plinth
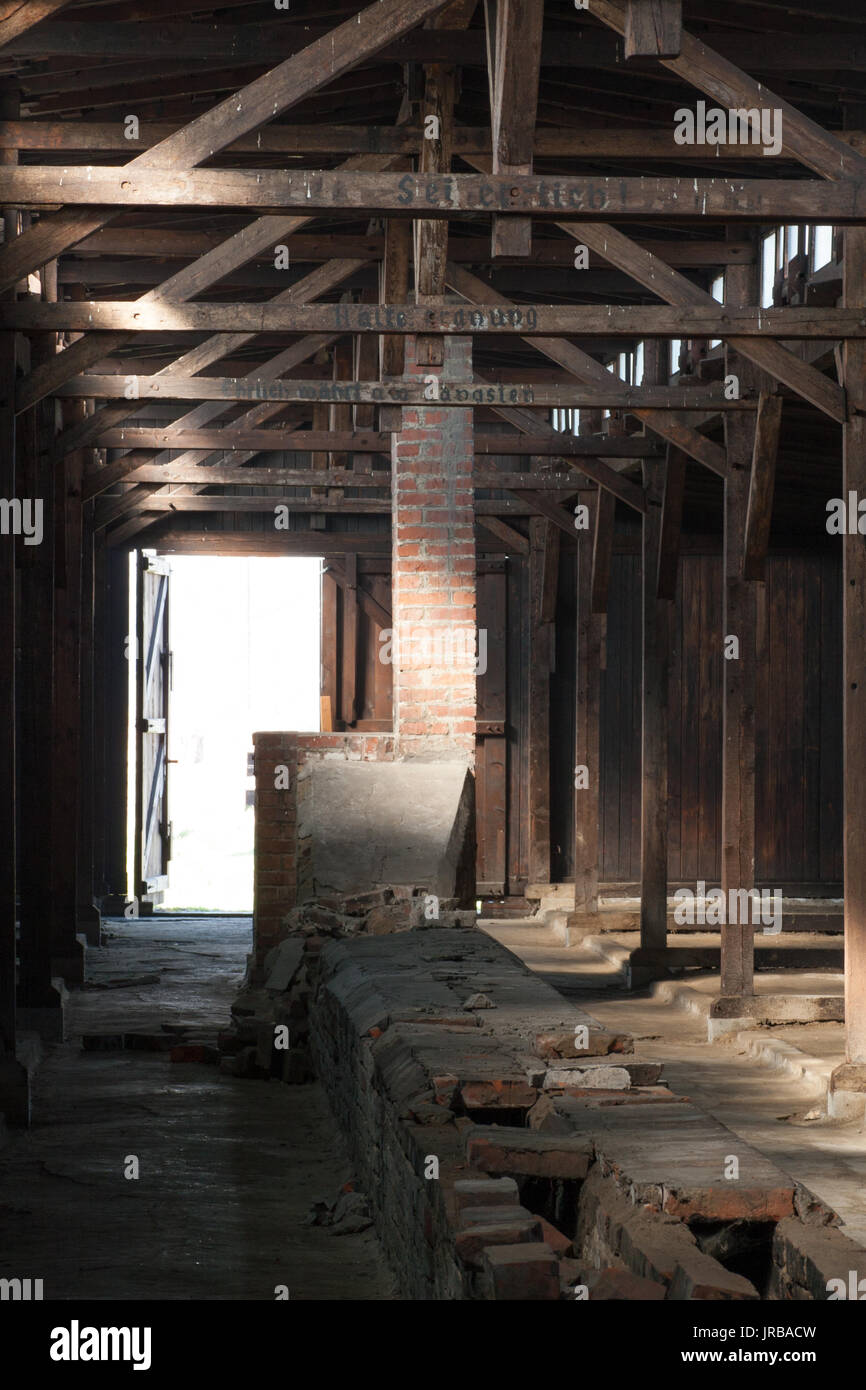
(846, 1098)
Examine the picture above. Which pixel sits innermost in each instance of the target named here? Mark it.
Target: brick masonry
(634, 1180)
(433, 569)
(278, 760)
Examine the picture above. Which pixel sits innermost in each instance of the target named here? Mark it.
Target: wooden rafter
(254, 105)
(702, 67)
(585, 368)
(263, 234)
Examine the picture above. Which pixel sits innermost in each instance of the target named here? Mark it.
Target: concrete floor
(229, 1168)
(766, 1107)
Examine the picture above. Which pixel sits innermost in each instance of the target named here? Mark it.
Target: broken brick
(519, 1272)
(485, 1192)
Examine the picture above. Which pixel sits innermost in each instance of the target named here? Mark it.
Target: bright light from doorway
(245, 641)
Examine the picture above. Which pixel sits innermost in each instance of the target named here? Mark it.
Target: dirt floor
(228, 1168)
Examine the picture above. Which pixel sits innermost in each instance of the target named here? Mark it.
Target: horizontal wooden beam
(523, 320)
(237, 44)
(555, 445)
(248, 475)
(140, 437)
(593, 142)
(262, 502)
(315, 193)
(165, 242)
(530, 504)
(172, 541)
(177, 388)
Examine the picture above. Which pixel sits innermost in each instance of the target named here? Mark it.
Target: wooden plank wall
(798, 723)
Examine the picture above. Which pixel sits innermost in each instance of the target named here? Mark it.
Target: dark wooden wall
(798, 725)
(798, 719)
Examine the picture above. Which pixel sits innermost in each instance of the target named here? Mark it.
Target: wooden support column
(431, 235)
(40, 1001)
(656, 627)
(349, 681)
(319, 462)
(115, 676)
(513, 64)
(739, 628)
(853, 1075)
(8, 892)
(340, 414)
(14, 1078)
(394, 289)
(330, 647)
(543, 535)
(587, 761)
(672, 516)
(87, 916)
(366, 368)
(66, 953)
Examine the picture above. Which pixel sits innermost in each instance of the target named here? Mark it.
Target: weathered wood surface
(415, 195)
(522, 320)
(177, 387)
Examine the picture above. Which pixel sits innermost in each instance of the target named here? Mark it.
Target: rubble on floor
(254, 1046)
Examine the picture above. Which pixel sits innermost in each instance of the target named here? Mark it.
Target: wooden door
(153, 679)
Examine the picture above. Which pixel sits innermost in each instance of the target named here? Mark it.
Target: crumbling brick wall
(278, 758)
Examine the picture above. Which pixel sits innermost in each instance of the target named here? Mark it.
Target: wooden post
(654, 696)
(36, 781)
(8, 827)
(87, 916)
(587, 771)
(854, 591)
(394, 289)
(739, 628)
(540, 658)
(349, 680)
(14, 1078)
(66, 953)
(117, 640)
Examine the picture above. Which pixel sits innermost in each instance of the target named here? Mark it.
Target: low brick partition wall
(816, 1262)
(278, 759)
(502, 1161)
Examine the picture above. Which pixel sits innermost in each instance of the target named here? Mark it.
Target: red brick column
(433, 583)
(275, 873)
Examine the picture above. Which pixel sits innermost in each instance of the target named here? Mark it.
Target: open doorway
(226, 645)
